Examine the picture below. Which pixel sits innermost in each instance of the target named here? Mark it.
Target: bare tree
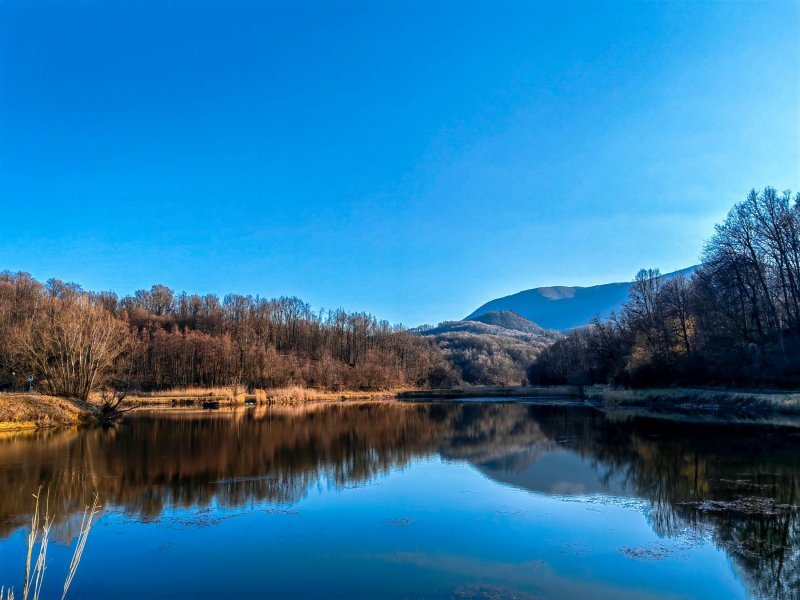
(72, 347)
(677, 294)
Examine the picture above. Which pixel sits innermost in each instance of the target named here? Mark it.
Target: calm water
(474, 500)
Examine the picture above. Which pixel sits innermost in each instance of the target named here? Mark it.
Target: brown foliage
(76, 342)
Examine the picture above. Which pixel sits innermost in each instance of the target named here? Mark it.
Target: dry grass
(30, 411)
(293, 394)
(201, 393)
(39, 536)
(298, 394)
(686, 398)
(194, 394)
(190, 395)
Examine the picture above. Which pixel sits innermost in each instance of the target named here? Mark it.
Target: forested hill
(564, 307)
(508, 319)
(490, 349)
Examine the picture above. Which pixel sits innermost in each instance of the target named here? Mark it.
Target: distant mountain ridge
(563, 307)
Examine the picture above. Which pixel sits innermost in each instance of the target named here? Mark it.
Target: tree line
(74, 342)
(735, 321)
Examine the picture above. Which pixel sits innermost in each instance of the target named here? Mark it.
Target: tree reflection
(738, 484)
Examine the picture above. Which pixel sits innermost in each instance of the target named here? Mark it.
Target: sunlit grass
(27, 411)
(290, 394)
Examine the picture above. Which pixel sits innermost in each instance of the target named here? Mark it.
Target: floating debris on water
(749, 505)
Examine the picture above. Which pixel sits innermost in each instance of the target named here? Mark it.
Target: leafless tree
(71, 346)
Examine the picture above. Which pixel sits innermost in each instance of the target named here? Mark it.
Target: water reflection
(736, 483)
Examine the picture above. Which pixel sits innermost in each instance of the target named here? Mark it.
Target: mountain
(563, 307)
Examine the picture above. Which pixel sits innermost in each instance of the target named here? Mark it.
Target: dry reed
(27, 411)
(290, 394)
(40, 535)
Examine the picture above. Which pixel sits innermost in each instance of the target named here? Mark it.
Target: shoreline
(559, 391)
(27, 411)
(228, 397)
(683, 401)
(678, 400)
(30, 411)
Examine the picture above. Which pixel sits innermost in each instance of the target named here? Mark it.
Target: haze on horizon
(409, 160)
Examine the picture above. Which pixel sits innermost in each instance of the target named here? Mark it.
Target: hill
(492, 349)
(562, 307)
(508, 319)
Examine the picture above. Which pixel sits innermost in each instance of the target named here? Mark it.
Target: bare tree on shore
(71, 346)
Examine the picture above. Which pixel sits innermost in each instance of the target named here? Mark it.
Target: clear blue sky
(410, 159)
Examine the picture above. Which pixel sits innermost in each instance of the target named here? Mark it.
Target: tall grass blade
(86, 526)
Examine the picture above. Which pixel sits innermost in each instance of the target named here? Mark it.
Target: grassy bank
(32, 411)
(734, 402)
(288, 395)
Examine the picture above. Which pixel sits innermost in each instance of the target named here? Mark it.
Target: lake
(473, 500)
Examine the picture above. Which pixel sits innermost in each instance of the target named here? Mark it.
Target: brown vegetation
(76, 343)
(28, 411)
(287, 395)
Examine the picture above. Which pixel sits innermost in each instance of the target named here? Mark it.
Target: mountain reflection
(738, 483)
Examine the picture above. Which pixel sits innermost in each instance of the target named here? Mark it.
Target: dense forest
(735, 321)
(73, 342)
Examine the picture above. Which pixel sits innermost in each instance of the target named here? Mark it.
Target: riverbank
(283, 396)
(683, 400)
(663, 401)
(561, 391)
(33, 411)
(28, 411)
(22, 411)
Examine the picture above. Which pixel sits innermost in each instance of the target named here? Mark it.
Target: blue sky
(410, 159)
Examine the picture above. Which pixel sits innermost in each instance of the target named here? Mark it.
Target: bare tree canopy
(70, 345)
(736, 321)
(75, 342)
